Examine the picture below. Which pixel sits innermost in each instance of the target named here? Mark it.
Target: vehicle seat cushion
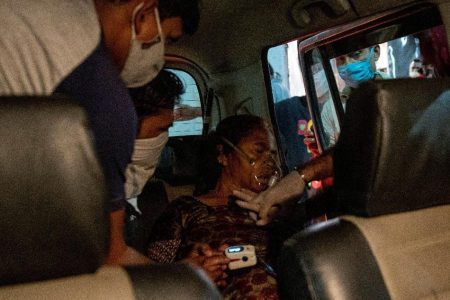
(412, 250)
(106, 283)
(176, 281)
(394, 148)
(329, 260)
(172, 281)
(55, 220)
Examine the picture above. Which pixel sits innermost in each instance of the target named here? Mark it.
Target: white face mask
(143, 163)
(145, 59)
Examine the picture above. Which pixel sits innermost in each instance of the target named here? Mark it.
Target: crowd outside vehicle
(241, 156)
(90, 51)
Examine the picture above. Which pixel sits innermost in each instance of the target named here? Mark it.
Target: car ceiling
(233, 33)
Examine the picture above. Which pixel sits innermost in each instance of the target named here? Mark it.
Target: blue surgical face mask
(357, 72)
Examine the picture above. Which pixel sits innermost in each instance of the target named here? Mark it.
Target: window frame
(201, 79)
(323, 41)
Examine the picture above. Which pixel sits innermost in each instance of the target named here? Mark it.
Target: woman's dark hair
(162, 92)
(187, 10)
(234, 129)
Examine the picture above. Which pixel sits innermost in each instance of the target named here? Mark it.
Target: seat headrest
(53, 199)
(393, 154)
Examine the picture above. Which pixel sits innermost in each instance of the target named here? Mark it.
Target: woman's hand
(213, 262)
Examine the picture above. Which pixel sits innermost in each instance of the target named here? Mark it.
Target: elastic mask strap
(158, 25)
(157, 39)
(371, 53)
(242, 153)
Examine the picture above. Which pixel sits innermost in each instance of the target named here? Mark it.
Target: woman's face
(253, 168)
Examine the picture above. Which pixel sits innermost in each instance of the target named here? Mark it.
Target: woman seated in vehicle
(244, 149)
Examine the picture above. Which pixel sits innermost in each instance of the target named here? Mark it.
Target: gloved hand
(264, 203)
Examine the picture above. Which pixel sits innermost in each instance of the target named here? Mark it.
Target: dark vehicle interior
(379, 229)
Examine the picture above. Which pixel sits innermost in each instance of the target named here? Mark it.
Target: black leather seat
(54, 226)
(392, 186)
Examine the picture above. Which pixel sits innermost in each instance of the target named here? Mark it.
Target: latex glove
(249, 196)
(265, 202)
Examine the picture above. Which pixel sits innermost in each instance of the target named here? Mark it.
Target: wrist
(305, 181)
(303, 178)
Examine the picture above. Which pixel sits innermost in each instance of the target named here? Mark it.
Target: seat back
(55, 214)
(54, 222)
(393, 190)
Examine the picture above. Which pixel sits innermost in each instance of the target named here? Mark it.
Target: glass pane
(285, 76)
(289, 100)
(421, 55)
(328, 115)
(188, 113)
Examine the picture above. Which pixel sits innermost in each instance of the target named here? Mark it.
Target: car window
(342, 65)
(188, 113)
(290, 109)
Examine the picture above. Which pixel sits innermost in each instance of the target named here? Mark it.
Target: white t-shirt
(41, 42)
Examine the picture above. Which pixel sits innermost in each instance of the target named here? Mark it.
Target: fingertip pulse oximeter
(241, 256)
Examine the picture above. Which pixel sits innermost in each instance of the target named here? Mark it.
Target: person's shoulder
(74, 21)
(59, 35)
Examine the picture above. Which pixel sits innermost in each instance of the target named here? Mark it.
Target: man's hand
(213, 262)
(265, 204)
(183, 112)
(119, 252)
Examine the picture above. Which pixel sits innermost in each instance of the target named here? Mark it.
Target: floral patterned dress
(187, 221)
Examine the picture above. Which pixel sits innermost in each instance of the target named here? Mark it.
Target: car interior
(379, 230)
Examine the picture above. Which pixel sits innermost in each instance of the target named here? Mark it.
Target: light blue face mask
(359, 71)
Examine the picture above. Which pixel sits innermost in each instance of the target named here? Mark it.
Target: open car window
(288, 100)
(401, 49)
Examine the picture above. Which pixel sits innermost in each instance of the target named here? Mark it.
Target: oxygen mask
(266, 171)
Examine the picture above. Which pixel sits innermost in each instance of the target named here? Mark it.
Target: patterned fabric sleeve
(166, 235)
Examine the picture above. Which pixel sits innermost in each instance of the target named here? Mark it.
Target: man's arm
(318, 168)
(184, 112)
(119, 252)
(97, 86)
